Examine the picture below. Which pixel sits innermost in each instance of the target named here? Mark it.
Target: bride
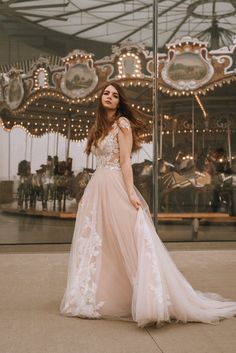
(118, 266)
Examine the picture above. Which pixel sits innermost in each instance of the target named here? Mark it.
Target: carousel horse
(181, 187)
(190, 185)
(63, 184)
(142, 173)
(44, 185)
(169, 180)
(24, 188)
(36, 188)
(80, 182)
(59, 193)
(48, 183)
(224, 193)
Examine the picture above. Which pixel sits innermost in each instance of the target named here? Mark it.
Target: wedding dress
(118, 266)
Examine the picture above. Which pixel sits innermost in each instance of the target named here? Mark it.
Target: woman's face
(110, 98)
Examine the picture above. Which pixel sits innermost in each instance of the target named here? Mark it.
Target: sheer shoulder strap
(124, 123)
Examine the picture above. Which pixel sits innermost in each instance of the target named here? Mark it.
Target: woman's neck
(111, 115)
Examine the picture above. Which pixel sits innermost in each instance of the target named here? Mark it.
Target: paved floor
(32, 285)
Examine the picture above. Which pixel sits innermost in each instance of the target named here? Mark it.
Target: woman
(118, 266)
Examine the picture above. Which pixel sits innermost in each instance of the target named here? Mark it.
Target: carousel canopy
(98, 24)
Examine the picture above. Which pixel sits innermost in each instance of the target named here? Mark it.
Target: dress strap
(121, 123)
(124, 123)
(115, 129)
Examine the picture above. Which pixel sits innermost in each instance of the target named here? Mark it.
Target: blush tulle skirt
(120, 269)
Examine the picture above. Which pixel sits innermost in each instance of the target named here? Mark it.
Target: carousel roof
(86, 23)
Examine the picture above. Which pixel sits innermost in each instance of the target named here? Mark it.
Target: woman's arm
(125, 141)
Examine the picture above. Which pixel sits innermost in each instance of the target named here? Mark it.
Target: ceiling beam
(177, 28)
(37, 7)
(78, 11)
(171, 7)
(111, 19)
(134, 31)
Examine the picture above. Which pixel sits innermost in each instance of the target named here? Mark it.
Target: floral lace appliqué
(157, 286)
(84, 287)
(107, 151)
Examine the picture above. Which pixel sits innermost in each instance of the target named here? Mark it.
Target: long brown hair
(102, 126)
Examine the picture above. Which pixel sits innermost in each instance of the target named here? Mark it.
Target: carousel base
(194, 218)
(40, 226)
(211, 216)
(13, 208)
(71, 211)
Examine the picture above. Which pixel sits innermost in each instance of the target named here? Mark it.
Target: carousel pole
(26, 143)
(229, 142)
(206, 126)
(57, 141)
(9, 155)
(54, 144)
(173, 132)
(193, 130)
(31, 149)
(68, 137)
(161, 134)
(47, 146)
(155, 111)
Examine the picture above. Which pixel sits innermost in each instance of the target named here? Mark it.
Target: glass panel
(196, 124)
(48, 98)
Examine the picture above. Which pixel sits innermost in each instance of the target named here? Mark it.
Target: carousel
(196, 123)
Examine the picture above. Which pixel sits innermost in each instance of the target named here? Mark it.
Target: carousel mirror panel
(49, 88)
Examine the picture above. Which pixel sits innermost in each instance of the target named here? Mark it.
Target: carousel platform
(71, 211)
(12, 208)
(197, 220)
(198, 226)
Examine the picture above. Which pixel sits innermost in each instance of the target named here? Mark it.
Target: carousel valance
(60, 94)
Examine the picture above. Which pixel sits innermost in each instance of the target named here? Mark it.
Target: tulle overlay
(118, 266)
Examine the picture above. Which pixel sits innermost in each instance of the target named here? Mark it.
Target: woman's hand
(134, 200)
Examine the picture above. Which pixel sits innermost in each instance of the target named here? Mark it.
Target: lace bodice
(107, 150)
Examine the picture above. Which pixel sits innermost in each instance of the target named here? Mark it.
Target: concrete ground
(32, 285)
